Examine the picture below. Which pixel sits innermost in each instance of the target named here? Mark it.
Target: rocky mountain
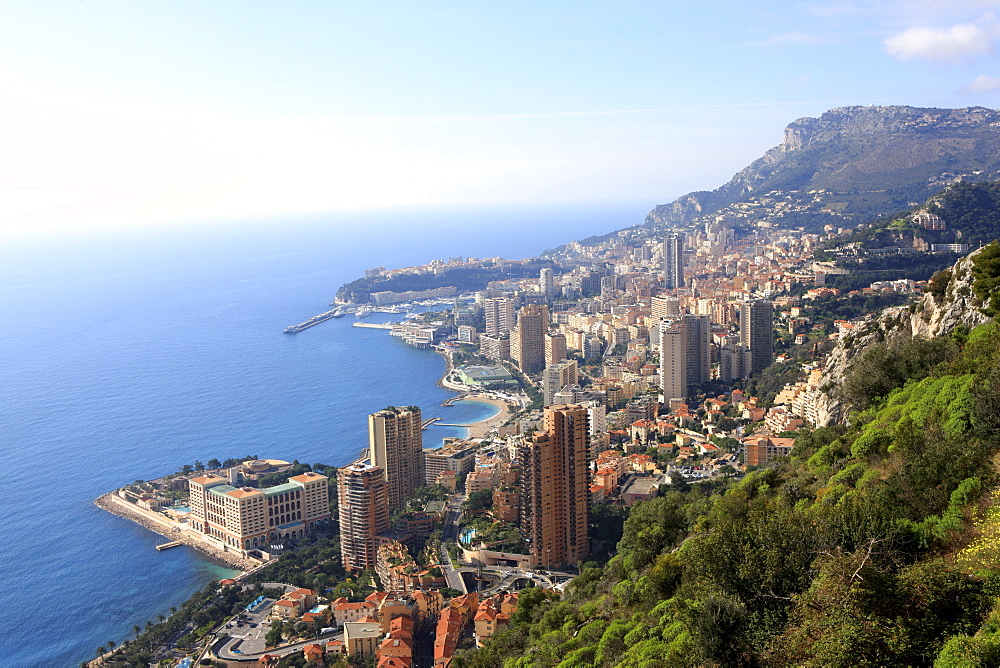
(951, 303)
(865, 161)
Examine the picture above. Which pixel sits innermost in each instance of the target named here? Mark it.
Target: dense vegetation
(973, 209)
(865, 547)
(184, 627)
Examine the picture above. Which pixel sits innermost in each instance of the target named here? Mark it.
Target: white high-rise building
(501, 315)
(673, 361)
(556, 377)
(547, 283)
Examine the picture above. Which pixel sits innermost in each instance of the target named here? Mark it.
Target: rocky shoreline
(115, 505)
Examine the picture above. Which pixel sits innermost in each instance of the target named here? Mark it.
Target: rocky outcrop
(930, 316)
(877, 160)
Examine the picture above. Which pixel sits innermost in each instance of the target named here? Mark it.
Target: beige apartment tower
(554, 491)
(395, 443)
(527, 341)
(555, 348)
(364, 512)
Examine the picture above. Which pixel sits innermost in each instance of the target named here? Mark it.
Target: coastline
(115, 505)
(481, 428)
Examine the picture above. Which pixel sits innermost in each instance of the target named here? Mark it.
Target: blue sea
(128, 353)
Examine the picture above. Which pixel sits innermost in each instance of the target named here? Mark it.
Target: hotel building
(244, 518)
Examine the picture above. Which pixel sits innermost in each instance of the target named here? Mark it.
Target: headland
(175, 531)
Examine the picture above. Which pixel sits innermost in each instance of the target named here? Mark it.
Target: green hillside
(870, 545)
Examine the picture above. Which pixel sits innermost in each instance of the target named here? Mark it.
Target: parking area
(247, 631)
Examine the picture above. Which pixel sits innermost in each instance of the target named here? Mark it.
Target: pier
(167, 546)
(429, 422)
(313, 321)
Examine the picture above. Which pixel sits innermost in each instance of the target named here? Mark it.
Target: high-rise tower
(554, 492)
(557, 376)
(547, 283)
(363, 511)
(395, 442)
(673, 360)
(527, 341)
(697, 345)
(756, 335)
(500, 315)
(673, 261)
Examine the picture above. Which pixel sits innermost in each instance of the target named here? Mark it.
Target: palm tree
(161, 618)
(173, 610)
(111, 645)
(136, 628)
(100, 651)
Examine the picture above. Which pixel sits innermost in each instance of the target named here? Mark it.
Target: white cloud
(982, 84)
(944, 45)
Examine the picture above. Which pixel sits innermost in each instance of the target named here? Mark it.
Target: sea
(128, 352)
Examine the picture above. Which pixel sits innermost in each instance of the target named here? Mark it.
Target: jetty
(167, 546)
(429, 422)
(315, 320)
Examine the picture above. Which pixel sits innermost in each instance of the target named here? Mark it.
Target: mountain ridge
(872, 160)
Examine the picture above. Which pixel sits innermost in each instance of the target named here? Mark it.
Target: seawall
(115, 505)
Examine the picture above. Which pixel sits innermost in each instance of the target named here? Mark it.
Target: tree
(986, 278)
(479, 500)
(214, 463)
(273, 637)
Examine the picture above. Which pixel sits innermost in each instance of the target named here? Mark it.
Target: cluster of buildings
(546, 496)
(380, 628)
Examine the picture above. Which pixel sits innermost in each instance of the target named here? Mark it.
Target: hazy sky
(138, 111)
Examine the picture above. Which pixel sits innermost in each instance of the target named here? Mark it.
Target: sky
(138, 112)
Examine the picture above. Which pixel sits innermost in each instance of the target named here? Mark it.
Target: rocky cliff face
(901, 153)
(927, 317)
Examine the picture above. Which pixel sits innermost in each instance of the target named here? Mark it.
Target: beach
(483, 427)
